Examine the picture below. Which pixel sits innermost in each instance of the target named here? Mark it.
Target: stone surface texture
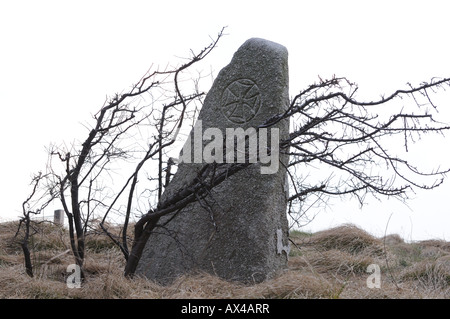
(245, 237)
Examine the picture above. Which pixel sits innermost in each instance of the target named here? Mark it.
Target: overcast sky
(59, 60)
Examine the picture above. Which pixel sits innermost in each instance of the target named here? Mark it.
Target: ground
(330, 264)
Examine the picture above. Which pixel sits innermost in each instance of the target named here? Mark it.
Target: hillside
(326, 264)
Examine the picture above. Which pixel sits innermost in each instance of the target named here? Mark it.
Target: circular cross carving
(241, 101)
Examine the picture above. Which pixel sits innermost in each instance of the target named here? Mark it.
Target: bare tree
(35, 203)
(135, 132)
(133, 129)
(334, 130)
(354, 142)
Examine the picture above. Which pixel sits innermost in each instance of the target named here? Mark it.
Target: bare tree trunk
(26, 221)
(26, 250)
(139, 245)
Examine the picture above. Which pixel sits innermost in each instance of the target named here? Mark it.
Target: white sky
(60, 59)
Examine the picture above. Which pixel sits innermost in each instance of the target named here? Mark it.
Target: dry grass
(347, 238)
(328, 264)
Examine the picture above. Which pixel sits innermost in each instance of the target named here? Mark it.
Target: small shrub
(393, 239)
(433, 275)
(97, 243)
(340, 263)
(347, 238)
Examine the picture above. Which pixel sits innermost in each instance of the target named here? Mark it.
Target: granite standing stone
(245, 236)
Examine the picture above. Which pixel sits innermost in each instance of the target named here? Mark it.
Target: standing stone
(58, 217)
(244, 237)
